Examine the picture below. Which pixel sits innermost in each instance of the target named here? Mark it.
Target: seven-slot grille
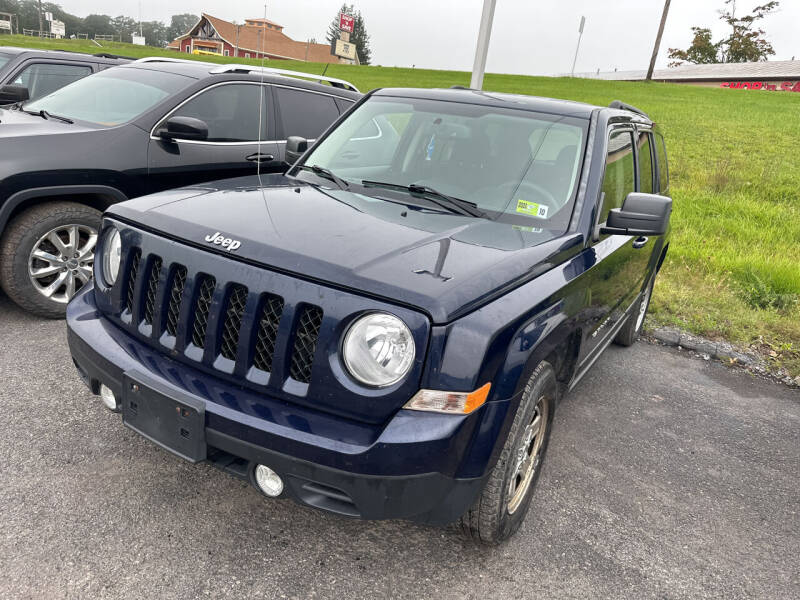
(216, 317)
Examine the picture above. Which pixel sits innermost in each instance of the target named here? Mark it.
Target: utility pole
(578, 47)
(41, 22)
(658, 41)
(482, 48)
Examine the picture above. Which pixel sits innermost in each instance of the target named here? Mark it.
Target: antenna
(263, 34)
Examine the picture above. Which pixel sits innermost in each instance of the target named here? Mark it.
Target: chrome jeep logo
(220, 240)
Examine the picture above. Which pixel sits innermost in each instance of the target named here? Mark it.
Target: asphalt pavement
(666, 477)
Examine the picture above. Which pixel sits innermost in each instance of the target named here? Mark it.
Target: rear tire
(500, 509)
(633, 326)
(64, 234)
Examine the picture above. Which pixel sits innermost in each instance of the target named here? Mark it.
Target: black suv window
(645, 163)
(231, 112)
(4, 58)
(618, 181)
(663, 169)
(42, 79)
(305, 113)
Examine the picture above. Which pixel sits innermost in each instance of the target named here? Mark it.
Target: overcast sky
(529, 36)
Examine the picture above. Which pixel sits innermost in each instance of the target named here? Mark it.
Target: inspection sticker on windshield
(532, 208)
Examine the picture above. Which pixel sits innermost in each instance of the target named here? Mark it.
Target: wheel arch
(99, 197)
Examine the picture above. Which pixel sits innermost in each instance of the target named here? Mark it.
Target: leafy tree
(181, 24)
(124, 27)
(359, 37)
(155, 33)
(746, 43)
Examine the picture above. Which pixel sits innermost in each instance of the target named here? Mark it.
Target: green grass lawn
(733, 270)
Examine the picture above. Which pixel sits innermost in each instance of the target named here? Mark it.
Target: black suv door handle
(640, 242)
(256, 157)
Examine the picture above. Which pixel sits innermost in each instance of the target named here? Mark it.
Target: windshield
(4, 58)
(515, 165)
(111, 97)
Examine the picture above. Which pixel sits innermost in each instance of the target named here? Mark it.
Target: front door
(620, 261)
(233, 113)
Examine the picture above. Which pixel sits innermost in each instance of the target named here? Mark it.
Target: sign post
(482, 47)
(578, 47)
(343, 48)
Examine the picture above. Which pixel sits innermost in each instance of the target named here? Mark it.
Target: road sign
(138, 40)
(346, 22)
(58, 29)
(345, 49)
(5, 24)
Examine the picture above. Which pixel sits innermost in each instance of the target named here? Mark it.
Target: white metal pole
(482, 49)
(578, 47)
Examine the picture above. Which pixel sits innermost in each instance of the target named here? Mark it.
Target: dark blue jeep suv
(385, 330)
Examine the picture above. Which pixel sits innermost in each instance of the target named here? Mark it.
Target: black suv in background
(144, 127)
(29, 74)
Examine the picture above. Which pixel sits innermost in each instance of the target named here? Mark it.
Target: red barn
(257, 38)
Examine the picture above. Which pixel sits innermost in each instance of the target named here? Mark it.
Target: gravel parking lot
(667, 477)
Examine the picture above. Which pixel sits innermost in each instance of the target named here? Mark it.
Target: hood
(443, 264)
(15, 123)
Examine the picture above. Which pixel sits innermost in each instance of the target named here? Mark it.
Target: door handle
(256, 157)
(640, 242)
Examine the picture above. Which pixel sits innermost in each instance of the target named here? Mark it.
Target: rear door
(237, 115)
(43, 77)
(302, 112)
(620, 260)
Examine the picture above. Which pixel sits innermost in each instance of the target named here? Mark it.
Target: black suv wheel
(47, 254)
(500, 509)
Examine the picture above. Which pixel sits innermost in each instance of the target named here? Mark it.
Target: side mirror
(11, 94)
(295, 148)
(641, 214)
(183, 128)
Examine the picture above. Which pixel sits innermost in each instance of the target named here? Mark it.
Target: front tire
(46, 256)
(633, 326)
(500, 509)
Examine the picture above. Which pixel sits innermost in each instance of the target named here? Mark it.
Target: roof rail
(168, 59)
(234, 68)
(107, 55)
(629, 107)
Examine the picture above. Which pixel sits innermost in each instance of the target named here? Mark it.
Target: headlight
(378, 349)
(112, 254)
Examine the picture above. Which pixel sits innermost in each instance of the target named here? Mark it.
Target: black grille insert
(134, 270)
(305, 343)
(267, 332)
(152, 288)
(201, 308)
(233, 321)
(175, 296)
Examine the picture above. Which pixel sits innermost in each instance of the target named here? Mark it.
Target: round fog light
(108, 397)
(268, 481)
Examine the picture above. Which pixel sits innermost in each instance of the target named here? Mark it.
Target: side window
(645, 163)
(231, 112)
(618, 181)
(304, 113)
(42, 79)
(663, 167)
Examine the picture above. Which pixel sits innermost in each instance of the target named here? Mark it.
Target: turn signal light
(449, 402)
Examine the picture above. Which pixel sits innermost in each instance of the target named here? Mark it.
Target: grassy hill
(733, 270)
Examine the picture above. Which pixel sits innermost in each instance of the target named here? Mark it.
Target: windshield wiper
(46, 115)
(327, 174)
(451, 203)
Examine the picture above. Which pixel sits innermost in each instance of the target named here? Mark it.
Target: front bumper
(407, 468)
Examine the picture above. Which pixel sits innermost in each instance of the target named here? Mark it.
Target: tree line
(156, 33)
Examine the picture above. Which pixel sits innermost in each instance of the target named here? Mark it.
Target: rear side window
(231, 112)
(645, 163)
(304, 113)
(42, 79)
(663, 167)
(618, 181)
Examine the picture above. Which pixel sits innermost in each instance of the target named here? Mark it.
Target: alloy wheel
(61, 261)
(527, 455)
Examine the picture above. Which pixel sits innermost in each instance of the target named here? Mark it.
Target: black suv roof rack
(629, 107)
(107, 55)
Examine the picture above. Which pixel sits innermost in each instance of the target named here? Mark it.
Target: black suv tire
(24, 233)
(491, 520)
(633, 326)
